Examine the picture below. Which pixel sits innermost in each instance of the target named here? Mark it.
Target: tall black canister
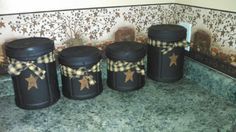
(166, 52)
(33, 70)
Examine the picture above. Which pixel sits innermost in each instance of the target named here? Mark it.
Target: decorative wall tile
(220, 25)
(214, 32)
(83, 27)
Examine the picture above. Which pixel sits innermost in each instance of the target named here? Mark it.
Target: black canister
(166, 52)
(126, 69)
(33, 70)
(80, 72)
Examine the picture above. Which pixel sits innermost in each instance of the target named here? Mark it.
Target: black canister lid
(167, 32)
(126, 51)
(79, 56)
(29, 48)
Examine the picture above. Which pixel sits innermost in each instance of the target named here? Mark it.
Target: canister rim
(126, 51)
(79, 56)
(29, 48)
(167, 32)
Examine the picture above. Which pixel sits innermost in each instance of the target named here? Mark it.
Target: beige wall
(218, 4)
(18, 6)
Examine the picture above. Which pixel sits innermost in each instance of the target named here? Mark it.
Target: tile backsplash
(89, 25)
(213, 36)
(213, 30)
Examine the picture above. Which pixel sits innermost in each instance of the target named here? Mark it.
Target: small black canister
(166, 52)
(33, 70)
(80, 71)
(126, 65)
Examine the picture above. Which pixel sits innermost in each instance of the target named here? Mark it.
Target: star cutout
(232, 28)
(126, 18)
(100, 34)
(95, 14)
(24, 30)
(108, 30)
(51, 25)
(2, 24)
(117, 14)
(53, 38)
(129, 76)
(41, 33)
(34, 23)
(222, 33)
(88, 19)
(13, 28)
(173, 59)
(84, 83)
(32, 82)
(231, 43)
(133, 20)
(58, 16)
(145, 22)
(91, 37)
(64, 27)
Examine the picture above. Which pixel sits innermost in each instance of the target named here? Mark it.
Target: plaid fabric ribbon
(119, 66)
(15, 66)
(82, 71)
(166, 47)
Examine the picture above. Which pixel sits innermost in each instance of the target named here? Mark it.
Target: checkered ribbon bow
(166, 47)
(119, 66)
(82, 71)
(15, 66)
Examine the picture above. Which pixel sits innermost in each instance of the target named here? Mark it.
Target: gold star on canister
(173, 59)
(129, 76)
(32, 82)
(84, 83)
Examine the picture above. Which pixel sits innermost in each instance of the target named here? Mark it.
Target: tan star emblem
(2, 24)
(173, 59)
(129, 76)
(32, 82)
(84, 83)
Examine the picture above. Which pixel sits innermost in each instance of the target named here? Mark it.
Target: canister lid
(29, 48)
(167, 32)
(79, 56)
(126, 50)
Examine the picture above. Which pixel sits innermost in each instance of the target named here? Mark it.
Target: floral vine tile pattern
(213, 36)
(143, 17)
(83, 27)
(214, 32)
(63, 25)
(88, 24)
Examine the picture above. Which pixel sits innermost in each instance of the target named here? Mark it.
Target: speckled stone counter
(214, 81)
(181, 107)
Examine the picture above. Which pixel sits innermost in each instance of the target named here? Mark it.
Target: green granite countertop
(176, 107)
